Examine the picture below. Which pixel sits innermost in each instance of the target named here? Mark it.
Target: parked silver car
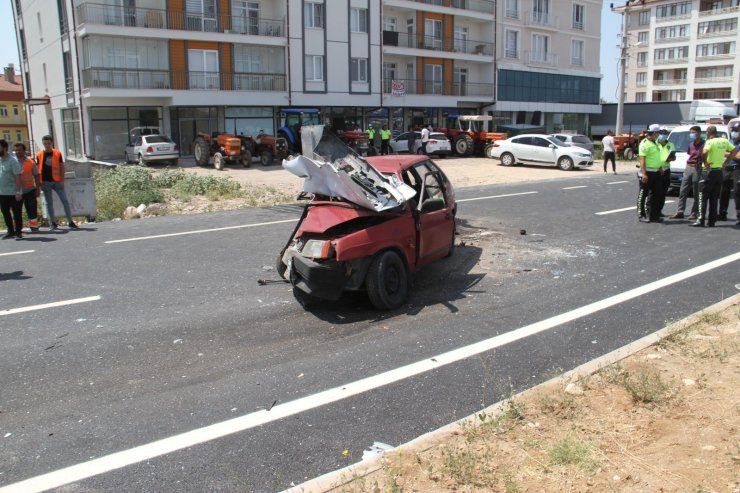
(438, 145)
(146, 149)
(576, 140)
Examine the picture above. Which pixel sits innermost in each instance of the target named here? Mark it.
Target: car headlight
(582, 154)
(318, 249)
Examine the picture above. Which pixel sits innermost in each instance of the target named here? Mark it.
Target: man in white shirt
(607, 149)
(424, 138)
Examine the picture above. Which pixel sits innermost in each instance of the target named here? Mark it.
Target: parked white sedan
(540, 150)
(438, 144)
(150, 149)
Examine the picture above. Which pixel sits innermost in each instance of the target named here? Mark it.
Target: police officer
(714, 161)
(650, 176)
(385, 140)
(666, 148)
(730, 176)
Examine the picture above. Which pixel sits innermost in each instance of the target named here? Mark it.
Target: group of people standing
(711, 170)
(385, 138)
(22, 179)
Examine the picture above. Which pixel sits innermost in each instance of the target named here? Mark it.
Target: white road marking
(17, 253)
(633, 208)
(573, 188)
(198, 231)
(191, 438)
(495, 196)
(617, 182)
(31, 308)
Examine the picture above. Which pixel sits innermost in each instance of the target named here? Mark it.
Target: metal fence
(160, 79)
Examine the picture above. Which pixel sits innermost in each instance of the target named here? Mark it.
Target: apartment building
(13, 126)
(548, 71)
(682, 51)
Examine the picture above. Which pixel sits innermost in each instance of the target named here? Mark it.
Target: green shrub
(122, 187)
(211, 186)
(168, 178)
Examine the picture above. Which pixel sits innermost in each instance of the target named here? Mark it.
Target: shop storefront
(111, 127)
(249, 120)
(188, 122)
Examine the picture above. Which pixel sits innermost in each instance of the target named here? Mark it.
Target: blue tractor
(291, 121)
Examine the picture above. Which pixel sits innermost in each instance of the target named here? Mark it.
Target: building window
(15, 110)
(641, 80)
(389, 24)
(461, 39)
(541, 12)
(577, 52)
(675, 53)
(642, 59)
(314, 67)
(18, 136)
(3, 110)
(433, 34)
(6, 135)
(642, 37)
(717, 26)
(432, 79)
(714, 49)
(71, 132)
(200, 15)
(358, 69)
(520, 85)
(511, 49)
(644, 19)
(714, 72)
(540, 48)
(720, 93)
(313, 14)
(673, 10)
(640, 97)
(246, 19)
(358, 20)
(670, 32)
(579, 16)
(512, 9)
(203, 69)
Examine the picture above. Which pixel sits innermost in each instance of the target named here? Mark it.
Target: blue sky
(610, 25)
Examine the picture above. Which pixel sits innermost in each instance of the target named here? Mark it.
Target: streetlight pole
(622, 72)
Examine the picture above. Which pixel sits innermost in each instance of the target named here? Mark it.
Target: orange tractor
(226, 148)
(468, 135)
(626, 145)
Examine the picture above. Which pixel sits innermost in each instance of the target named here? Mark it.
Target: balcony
(542, 58)
(485, 6)
(671, 18)
(670, 61)
(541, 19)
(421, 42)
(713, 57)
(675, 39)
(716, 34)
(164, 79)
(91, 13)
(669, 82)
(403, 87)
(726, 10)
(712, 80)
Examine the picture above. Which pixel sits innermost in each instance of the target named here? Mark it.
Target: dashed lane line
(157, 448)
(495, 196)
(32, 308)
(17, 253)
(198, 231)
(633, 208)
(573, 188)
(617, 182)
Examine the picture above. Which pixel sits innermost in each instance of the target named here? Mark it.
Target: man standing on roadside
(733, 170)
(424, 138)
(31, 185)
(411, 141)
(650, 176)
(385, 140)
(714, 161)
(51, 171)
(691, 175)
(667, 154)
(607, 148)
(11, 194)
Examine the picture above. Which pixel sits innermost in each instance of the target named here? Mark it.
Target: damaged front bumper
(326, 279)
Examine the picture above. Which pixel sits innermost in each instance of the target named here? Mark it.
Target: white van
(680, 138)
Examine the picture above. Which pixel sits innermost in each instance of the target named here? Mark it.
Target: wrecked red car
(370, 224)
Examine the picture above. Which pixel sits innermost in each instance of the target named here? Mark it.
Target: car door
(435, 219)
(543, 151)
(136, 148)
(521, 147)
(400, 143)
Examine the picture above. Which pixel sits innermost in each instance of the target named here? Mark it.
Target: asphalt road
(171, 335)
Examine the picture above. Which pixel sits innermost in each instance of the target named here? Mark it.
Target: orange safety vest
(56, 165)
(27, 180)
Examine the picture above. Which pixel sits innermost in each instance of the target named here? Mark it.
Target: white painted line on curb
(17, 253)
(32, 308)
(495, 196)
(617, 182)
(195, 232)
(573, 188)
(191, 438)
(633, 208)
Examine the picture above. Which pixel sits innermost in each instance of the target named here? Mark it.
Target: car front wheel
(141, 160)
(507, 159)
(565, 163)
(387, 281)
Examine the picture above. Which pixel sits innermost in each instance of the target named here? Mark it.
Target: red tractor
(225, 149)
(357, 141)
(468, 135)
(267, 147)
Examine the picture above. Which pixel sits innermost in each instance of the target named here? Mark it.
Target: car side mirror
(431, 205)
(551, 146)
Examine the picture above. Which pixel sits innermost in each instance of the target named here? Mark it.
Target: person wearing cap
(385, 140)
(691, 175)
(666, 148)
(731, 176)
(709, 187)
(651, 183)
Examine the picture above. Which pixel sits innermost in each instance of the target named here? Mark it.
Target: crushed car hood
(332, 169)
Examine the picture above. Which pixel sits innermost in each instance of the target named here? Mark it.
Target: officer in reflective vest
(30, 184)
(709, 186)
(650, 176)
(385, 140)
(731, 179)
(666, 147)
(51, 173)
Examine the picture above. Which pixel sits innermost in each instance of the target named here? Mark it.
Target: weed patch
(122, 187)
(573, 450)
(646, 386)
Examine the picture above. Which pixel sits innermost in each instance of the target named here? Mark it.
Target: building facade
(95, 70)
(13, 126)
(682, 51)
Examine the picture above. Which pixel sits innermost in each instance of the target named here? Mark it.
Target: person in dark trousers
(733, 171)
(385, 140)
(714, 161)
(691, 175)
(667, 154)
(607, 148)
(51, 171)
(650, 176)
(424, 138)
(411, 142)
(11, 192)
(30, 184)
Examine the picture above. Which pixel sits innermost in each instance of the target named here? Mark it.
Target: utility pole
(622, 71)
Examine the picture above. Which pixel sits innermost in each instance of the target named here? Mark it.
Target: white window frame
(512, 9)
(462, 38)
(358, 20)
(644, 18)
(204, 79)
(313, 15)
(641, 79)
(436, 84)
(640, 97)
(389, 23)
(643, 37)
(507, 49)
(3, 110)
(577, 24)
(358, 70)
(316, 63)
(433, 34)
(538, 55)
(574, 60)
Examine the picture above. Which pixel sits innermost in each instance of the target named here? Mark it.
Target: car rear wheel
(387, 281)
(125, 158)
(565, 163)
(218, 161)
(507, 159)
(200, 151)
(141, 160)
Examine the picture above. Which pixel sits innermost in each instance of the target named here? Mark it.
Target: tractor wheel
(629, 154)
(218, 161)
(488, 151)
(266, 157)
(246, 158)
(200, 151)
(464, 145)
